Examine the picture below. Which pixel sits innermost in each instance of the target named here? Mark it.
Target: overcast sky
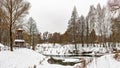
(53, 15)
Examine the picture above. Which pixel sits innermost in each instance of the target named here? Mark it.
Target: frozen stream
(64, 54)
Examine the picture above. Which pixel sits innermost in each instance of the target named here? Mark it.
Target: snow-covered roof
(19, 40)
(20, 29)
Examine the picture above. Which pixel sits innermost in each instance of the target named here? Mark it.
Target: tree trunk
(33, 42)
(11, 40)
(0, 34)
(87, 41)
(11, 44)
(75, 42)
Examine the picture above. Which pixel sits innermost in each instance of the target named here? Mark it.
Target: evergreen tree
(87, 31)
(92, 36)
(81, 28)
(72, 26)
(91, 18)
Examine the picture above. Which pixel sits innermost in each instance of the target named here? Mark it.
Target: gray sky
(53, 15)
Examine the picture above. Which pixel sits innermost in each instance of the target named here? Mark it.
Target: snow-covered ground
(25, 58)
(106, 61)
(1, 45)
(58, 49)
(20, 58)
(47, 65)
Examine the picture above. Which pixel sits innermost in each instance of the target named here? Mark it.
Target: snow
(67, 49)
(19, 40)
(1, 45)
(53, 66)
(25, 58)
(79, 65)
(106, 61)
(71, 60)
(20, 29)
(20, 58)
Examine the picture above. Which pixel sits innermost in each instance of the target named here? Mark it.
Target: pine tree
(93, 36)
(87, 31)
(72, 26)
(91, 18)
(81, 28)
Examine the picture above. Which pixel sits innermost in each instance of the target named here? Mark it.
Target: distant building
(19, 41)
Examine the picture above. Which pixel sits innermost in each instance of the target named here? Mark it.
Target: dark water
(58, 59)
(67, 56)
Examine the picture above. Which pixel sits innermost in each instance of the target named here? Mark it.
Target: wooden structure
(19, 41)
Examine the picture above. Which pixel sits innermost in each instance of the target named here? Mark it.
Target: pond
(70, 59)
(64, 62)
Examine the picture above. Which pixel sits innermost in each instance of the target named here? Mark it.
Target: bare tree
(113, 4)
(32, 30)
(114, 7)
(40, 38)
(45, 36)
(14, 10)
(56, 38)
(3, 26)
(50, 37)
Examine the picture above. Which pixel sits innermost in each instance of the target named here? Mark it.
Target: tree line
(101, 25)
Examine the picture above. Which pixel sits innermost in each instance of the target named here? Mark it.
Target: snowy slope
(25, 58)
(20, 58)
(1, 45)
(106, 61)
(47, 65)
